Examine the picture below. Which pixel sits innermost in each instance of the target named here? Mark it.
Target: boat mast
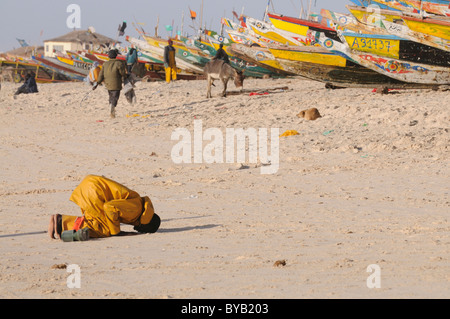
(182, 25)
(309, 10)
(302, 9)
(421, 9)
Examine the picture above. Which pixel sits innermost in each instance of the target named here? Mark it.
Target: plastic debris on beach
(289, 133)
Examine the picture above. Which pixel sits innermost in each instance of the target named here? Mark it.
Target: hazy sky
(28, 19)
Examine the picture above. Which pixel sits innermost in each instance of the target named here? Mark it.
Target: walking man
(113, 73)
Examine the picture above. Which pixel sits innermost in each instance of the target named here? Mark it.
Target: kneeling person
(105, 204)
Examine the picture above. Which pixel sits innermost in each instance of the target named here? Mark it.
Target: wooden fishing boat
(405, 32)
(347, 22)
(399, 5)
(259, 56)
(435, 27)
(158, 53)
(374, 17)
(42, 73)
(79, 57)
(78, 66)
(440, 7)
(409, 72)
(397, 48)
(353, 76)
(300, 26)
(249, 68)
(184, 58)
(269, 34)
(57, 66)
(311, 54)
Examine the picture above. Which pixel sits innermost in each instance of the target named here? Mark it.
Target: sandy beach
(366, 184)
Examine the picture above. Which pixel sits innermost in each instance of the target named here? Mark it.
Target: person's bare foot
(53, 227)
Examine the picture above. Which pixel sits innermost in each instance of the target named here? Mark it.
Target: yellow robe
(106, 204)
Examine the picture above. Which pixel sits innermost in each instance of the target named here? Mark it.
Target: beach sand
(366, 184)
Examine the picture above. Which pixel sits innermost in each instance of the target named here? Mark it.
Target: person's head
(112, 54)
(170, 41)
(221, 45)
(132, 50)
(151, 227)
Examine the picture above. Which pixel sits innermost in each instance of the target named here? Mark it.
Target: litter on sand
(289, 133)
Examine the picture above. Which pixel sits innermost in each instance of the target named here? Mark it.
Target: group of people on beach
(106, 204)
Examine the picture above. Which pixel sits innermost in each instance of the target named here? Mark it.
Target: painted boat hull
(314, 55)
(78, 66)
(300, 26)
(398, 48)
(436, 6)
(259, 56)
(394, 68)
(434, 27)
(43, 74)
(407, 33)
(53, 65)
(347, 77)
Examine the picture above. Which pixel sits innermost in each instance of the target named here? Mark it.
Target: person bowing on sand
(105, 204)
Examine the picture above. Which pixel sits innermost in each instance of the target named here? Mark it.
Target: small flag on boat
(122, 28)
(169, 28)
(23, 43)
(193, 14)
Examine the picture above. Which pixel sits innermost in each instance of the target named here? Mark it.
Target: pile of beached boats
(389, 44)
(381, 44)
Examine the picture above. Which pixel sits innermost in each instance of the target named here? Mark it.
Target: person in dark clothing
(132, 58)
(170, 63)
(113, 73)
(29, 86)
(222, 55)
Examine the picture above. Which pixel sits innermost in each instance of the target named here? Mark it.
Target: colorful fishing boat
(405, 32)
(300, 26)
(347, 22)
(193, 58)
(268, 34)
(259, 56)
(431, 26)
(351, 76)
(157, 52)
(398, 5)
(42, 73)
(373, 16)
(440, 7)
(409, 72)
(311, 54)
(55, 65)
(398, 48)
(76, 65)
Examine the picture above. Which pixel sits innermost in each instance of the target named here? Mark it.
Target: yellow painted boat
(374, 17)
(260, 56)
(436, 7)
(382, 45)
(314, 55)
(65, 60)
(268, 31)
(434, 27)
(280, 22)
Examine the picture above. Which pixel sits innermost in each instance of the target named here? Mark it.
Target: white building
(77, 40)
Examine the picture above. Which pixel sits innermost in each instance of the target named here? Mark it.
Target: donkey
(219, 70)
